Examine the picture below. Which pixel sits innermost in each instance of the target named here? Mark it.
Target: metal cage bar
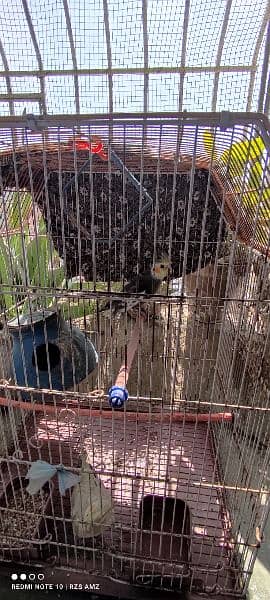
(177, 460)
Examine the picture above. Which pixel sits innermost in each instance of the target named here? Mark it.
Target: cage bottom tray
(136, 461)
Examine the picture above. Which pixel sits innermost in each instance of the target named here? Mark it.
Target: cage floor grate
(134, 461)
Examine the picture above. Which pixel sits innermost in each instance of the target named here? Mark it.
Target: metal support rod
(210, 119)
(119, 163)
(264, 70)
(267, 98)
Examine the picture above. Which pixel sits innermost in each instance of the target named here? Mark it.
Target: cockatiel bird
(148, 283)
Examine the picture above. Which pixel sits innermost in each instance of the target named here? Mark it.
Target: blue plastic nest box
(47, 353)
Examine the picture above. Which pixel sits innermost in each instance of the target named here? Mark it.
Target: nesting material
(24, 521)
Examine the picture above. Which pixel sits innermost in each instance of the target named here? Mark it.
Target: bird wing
(136, 285)
(143, 283)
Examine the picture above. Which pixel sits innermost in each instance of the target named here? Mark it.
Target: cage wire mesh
(88, 203)
(178, 459)
(108, 56)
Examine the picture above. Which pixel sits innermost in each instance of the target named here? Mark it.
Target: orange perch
(118, 393)
(175, 417)
(125, 368)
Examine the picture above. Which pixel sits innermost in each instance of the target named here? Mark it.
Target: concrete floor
(259, 588)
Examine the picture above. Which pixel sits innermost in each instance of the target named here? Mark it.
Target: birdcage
(189, 369)
(135, 441)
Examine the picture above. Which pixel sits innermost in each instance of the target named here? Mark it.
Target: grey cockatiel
(146, 283)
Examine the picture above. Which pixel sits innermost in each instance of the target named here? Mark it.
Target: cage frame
(222, 120)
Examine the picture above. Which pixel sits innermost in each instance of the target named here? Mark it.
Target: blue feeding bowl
(47, 353)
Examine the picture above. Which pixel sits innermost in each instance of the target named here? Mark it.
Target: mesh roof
(100, 56)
